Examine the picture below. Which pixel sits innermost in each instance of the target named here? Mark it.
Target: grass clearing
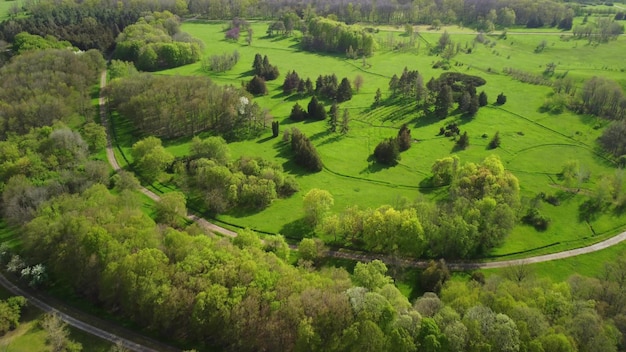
(535, 145)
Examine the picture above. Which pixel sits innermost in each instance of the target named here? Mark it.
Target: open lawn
(535, 145)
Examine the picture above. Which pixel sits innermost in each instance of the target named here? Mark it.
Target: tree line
(243, 295)
(479, 212)
(170, 107)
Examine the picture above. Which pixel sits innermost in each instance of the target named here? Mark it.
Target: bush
(297, 113)
(257, 86)
(495, 142)
(387, 152)
(501, 99)
(404, 138)
(463, 141)
(535, 219)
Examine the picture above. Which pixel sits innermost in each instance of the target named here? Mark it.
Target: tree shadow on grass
(263, 140)
(373, 166)
(332, 139)
(297, 230)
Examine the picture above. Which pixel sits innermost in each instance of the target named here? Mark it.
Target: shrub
(387, 152)
(535, 219)
(257, 86)
(404, 138)
(501, 99)
(495, 142)
(463, 141)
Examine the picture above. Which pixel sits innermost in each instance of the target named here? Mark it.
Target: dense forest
(88, 229)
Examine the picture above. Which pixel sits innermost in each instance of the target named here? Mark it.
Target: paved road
(89, 327)
(366, 257)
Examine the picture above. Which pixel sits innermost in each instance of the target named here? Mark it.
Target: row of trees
(478, 214)
(326, 86)
(220, 63)
(331, 36)
(155, 42)
(170, 107)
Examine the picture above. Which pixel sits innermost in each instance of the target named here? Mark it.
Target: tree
(344, 92)
(315, 109)
(482, 99)
(213, 148)
(443, 101)
(463, 141)
(334, 117)
(404, 138)
(435, 276)
(387, 152)
(57, 334)
(249, 36)
(257, 86)
(150, 158)
(95, 136)
(377, 97)
(305, 153)
(297, 113)
(501, 99)
(358, 82)
(372, 275)
(495, 141)
(171, 209)
(345, 121)
(317, 204)
(275, 129)
(10, 312)
(311, 249)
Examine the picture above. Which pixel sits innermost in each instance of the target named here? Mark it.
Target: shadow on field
(297, 230)
(263, 140)
(374, 166)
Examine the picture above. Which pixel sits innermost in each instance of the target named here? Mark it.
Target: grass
(5, 7)
(529, 137)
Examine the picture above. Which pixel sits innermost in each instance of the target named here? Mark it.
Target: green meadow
(535, 145)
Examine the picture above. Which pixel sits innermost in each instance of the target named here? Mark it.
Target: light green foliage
(317, 204)
(24, 42)
(214, 148)
(171, 209)
(121, 69)
(310, 249)
(371, 275)
(95, 136)
(247, 238)
(10, 312)
(57, 335)
(151, 158)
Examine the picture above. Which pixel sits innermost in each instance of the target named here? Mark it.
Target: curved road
(366, 257)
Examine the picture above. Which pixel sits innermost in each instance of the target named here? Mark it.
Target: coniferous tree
(495, 142)
(334, 117)
(344, 92)
(387, 152)
(291, 82)
(501, 99)
(345, 121)
(404, 138)
(297, 113)
(463, 141)
(257, 86)
(316, 109)
(275, 129)
(482, 99)
(443, 101)
(377, 97)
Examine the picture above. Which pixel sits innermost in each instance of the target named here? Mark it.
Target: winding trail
(362, 256)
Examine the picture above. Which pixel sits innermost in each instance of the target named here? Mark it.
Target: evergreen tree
(495, 142)
(377, 97)
(334, 117)
(344, 92)
(275, 129)
(482, 99)
(308, 84)
(501, 99)
(316, 109)
(301, 87)
(387, 152)
(345, 121)
(291, 82)
(257, 86)
(297, 113)
(472, 109)
(463, 141)
(404, 138)
(443, 101)
(305, 153)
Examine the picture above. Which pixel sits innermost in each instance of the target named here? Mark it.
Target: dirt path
(366, 257)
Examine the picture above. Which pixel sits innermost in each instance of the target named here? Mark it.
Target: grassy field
(535, 145)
